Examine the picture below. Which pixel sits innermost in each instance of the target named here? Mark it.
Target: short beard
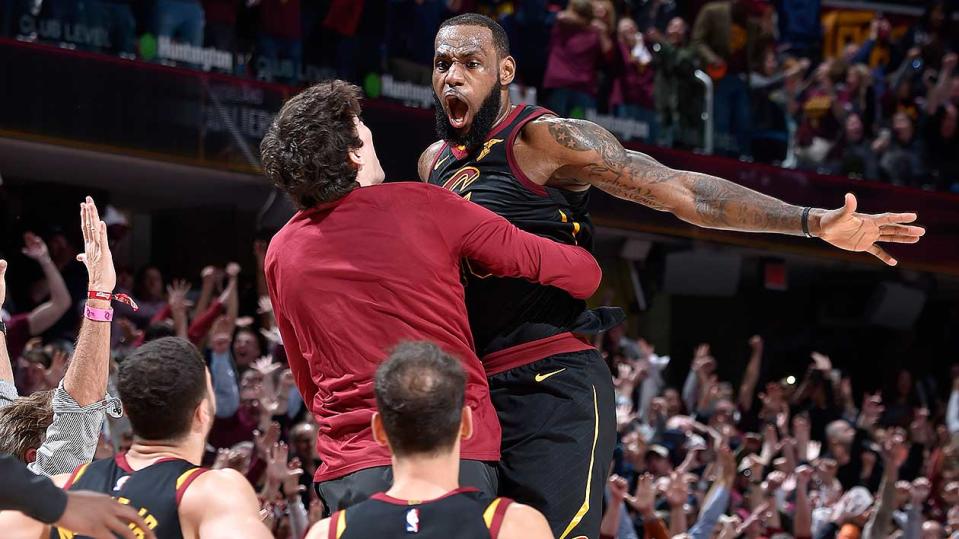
(483, 121)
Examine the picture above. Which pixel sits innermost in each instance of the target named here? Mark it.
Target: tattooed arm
(576, 154)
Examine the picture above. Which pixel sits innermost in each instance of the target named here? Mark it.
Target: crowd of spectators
(777, 458)
(883, 109)
(754, 457)
(262, 427)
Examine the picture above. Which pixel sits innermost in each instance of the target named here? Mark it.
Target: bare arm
(524, 522)
(86, 377)
(748, 387)
(46, 314)
(427, 158)
(575, 154)
(208, 275)
(221, 504)
(6, 368)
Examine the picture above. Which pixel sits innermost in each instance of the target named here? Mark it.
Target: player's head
(318, 149)
(166, 391)
(23, 425)
(420, 398)
(472, 70)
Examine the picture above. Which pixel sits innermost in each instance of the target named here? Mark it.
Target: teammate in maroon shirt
(362, 267)
(554, 395)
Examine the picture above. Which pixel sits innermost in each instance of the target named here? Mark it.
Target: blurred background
(157, 107)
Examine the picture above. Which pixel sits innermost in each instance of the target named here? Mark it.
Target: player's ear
(31, 455)
(379, 431)
(355, 157)
(466, 423)
(507, 70)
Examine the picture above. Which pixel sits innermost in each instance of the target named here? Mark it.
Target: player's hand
(852, 231)
(96, 254)
(98, 515)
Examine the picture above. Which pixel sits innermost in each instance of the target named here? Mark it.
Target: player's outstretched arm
(221, 504)
(524, 522)
(584, 153)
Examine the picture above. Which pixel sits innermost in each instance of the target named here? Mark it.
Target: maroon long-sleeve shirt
(351, 279)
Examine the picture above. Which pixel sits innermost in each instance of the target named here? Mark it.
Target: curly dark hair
(305, 152)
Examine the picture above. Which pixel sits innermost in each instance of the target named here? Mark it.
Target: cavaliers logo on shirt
(413, 521)
(462, 179)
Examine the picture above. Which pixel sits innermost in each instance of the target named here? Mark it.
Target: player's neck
(145, 452)
(425, 477)
(504, 109)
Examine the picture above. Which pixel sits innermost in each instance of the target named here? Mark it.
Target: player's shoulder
(428, 157)
(226, 487)
(524, 522)
(320, 530)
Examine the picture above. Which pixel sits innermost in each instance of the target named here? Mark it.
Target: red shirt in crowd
(351, 279)
(575, 55)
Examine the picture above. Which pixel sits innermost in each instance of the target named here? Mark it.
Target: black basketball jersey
(505, 312)
(155, 490)
(462, 513)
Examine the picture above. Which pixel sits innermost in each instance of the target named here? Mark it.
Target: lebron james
(552, 392)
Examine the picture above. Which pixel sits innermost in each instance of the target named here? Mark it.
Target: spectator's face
(600, 10)
(627, 32)
(676, 31)
(245, 349)
(770, 65)
(674, 405)
(931, 530)
(947, 128)
(853, 79)
(950, 493)
(902, 126)
(658, 465)
(468, 81)
(153, 283)
(854, 128)
(304, 442)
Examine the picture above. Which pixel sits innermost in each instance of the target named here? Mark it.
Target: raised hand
(921, 487)
(618, 488)
(232, 270)
(34, 247)
(96, 254)
(263, 441)
(265, 366)
(644, 497)
(821, 362)
(176, 294)
(3, 281)
(677, 493)
(58, 368)
(846, 229)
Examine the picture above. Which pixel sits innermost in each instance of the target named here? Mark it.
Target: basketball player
(364, 265)
(553, 395)
(166, 392)
(421, 419)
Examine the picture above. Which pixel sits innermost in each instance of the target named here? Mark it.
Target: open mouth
(457, 111)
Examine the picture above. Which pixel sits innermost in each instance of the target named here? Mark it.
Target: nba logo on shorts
(413, 521)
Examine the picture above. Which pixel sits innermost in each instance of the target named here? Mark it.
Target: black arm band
(805, 222)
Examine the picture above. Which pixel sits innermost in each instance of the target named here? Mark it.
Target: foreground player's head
(472, 70)
(420, 392)
(318, 150)
(166, 391)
